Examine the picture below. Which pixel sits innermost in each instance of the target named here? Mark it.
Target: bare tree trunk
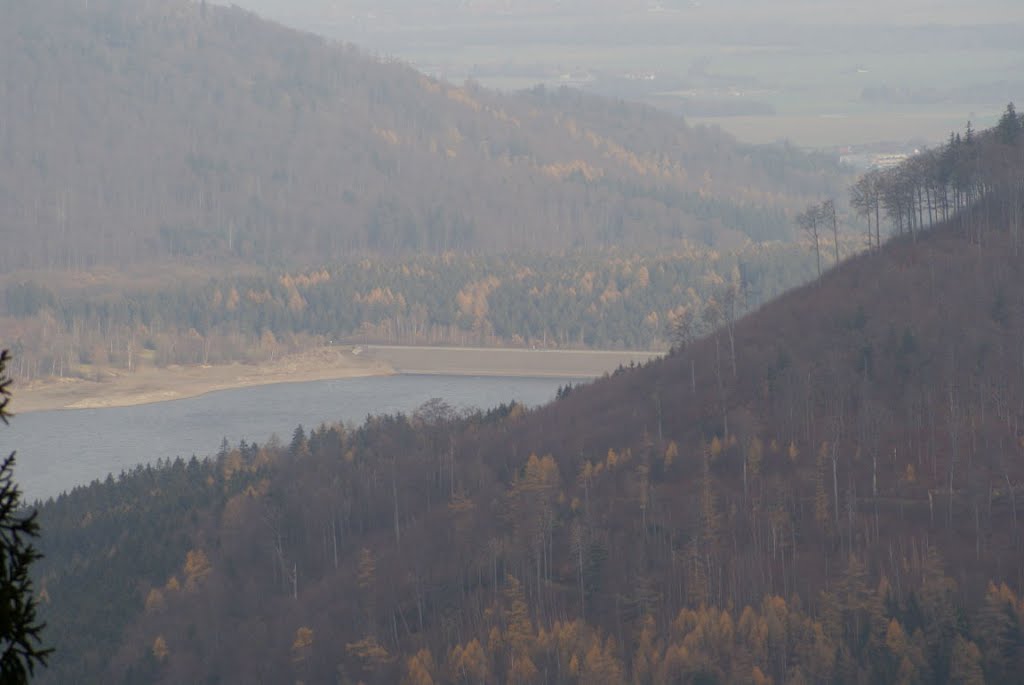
(878, 229)
(817, 249)
(394, 495)
(835, 483)
(830, 211)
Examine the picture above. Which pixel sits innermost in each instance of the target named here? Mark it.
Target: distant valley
(829, 74)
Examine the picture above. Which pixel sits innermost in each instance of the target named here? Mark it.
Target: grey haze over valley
(837, 73)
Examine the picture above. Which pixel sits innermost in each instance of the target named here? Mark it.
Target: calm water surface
(58, 450)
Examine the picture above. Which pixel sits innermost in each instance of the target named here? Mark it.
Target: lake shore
(118, 388)
(505, 361)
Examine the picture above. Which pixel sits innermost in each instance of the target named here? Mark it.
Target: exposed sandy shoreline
(121, 389)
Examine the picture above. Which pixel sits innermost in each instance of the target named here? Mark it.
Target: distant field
(817, 96)
(856, 129)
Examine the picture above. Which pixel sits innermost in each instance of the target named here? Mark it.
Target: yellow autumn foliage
(420, 669)
(369, 652)
(154, 600)
(302, 643)
(160, 650)
(671, 453)
(197, 566)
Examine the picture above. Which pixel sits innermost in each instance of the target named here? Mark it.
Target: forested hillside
(81, 325)
(133, 131)
(824, 491)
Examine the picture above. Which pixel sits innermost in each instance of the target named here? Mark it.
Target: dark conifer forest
(821, 491)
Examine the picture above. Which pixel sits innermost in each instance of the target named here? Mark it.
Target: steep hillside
(819, 492)
(134, 130)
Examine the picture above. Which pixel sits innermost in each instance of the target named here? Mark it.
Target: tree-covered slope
(80, 326)
(821, 491)
(132, 130)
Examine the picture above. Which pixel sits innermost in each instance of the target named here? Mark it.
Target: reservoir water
(58, 450)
